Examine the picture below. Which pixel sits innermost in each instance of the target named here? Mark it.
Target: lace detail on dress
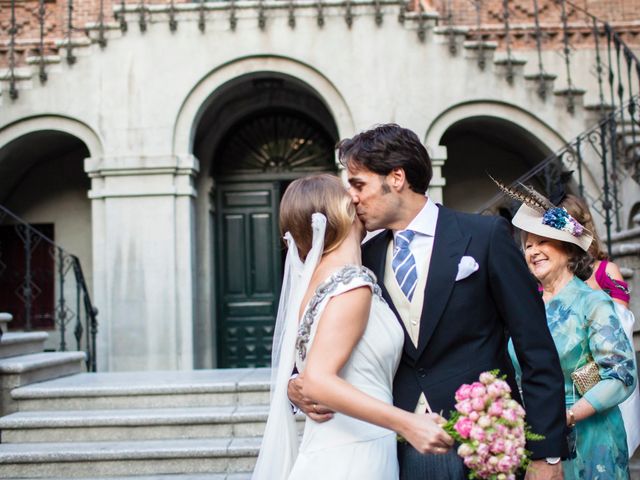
(342, 276)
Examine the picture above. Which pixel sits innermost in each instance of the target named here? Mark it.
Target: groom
(459, 287)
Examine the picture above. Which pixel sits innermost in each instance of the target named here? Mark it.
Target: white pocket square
(466, 267)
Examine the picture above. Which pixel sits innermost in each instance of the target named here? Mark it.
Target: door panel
(249, 271)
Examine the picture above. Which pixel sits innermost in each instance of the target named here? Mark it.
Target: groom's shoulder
(473, 221)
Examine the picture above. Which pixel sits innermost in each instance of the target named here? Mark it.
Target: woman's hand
(311, 409)
(424, 432)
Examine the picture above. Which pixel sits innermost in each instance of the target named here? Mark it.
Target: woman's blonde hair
(324, 194)
(579, 210)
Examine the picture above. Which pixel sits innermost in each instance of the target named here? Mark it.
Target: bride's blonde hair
(324, 194)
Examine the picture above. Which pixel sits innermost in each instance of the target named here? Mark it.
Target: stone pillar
(438, 156)
(143, 260)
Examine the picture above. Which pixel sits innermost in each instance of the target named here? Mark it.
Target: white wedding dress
(344, 447)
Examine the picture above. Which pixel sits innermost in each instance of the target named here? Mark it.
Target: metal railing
(43, 286)
(603, 144)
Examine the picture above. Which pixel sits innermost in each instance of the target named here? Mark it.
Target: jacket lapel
(449, 245)
(376, 261)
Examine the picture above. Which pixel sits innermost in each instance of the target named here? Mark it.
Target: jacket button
(422, 372)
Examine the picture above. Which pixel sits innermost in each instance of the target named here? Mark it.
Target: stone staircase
(196, 424)
(23, 362)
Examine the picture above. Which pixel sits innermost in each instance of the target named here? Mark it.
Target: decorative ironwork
(42, 72)
(13, 30)
(122, 17)
(142, 16)
(542, 76)
(102, 39)
(507, 40)
(378, 15)
(422, 29)
(282, 142)
(262, 19)
(482, 58)
(320, 13)
(233, 20)
(348, 14)
(402, 12)
(43, 282)
(451, 33)
(571, 106)
(173, 23)
(599, 143)
(201, 17)
(71, 58)
(291, 20)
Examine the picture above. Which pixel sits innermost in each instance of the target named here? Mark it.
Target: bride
(334, 326)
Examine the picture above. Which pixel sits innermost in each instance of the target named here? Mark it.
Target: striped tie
(404, 264)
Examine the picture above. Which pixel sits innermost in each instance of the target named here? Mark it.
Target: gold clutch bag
(585, 377)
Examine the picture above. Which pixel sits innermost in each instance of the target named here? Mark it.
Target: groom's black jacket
(463, 325)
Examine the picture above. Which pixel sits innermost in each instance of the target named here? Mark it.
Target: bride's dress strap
(345, 279)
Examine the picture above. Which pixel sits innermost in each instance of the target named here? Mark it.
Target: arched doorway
(43, 182)
(260, 133)
(481, 146)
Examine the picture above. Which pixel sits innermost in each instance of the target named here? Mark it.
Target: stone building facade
(156, 137)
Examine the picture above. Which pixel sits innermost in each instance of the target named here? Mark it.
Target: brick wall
(623, 14)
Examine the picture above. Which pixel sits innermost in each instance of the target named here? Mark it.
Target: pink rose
(464, 407)
(495, 409)
(483, 449)
(464, 450)
(505, 464)
(463, 393)
(477, 433)
(477, 390)
(477, 404)
(463, 426)
(487, 378)
(498, 445)
(474, 415)
(509, 415)
(484, 421)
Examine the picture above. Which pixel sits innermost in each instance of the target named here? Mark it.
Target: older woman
(585, 329)
(606, 276)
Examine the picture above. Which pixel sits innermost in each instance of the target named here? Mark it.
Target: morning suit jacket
(464, 326)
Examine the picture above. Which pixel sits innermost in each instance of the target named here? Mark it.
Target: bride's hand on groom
(426, 435)
(316, 412)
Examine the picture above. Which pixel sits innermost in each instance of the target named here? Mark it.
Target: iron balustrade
(600, 145)
(43, 285)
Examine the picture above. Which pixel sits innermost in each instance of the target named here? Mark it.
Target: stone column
(438, 156)
(143, 260)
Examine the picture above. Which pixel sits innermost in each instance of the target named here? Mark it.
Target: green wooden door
(248, 271)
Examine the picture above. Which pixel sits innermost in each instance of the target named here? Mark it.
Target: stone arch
(536, 132)
(197, 101)
(58, 123)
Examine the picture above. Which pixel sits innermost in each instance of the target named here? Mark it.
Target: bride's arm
(339, 330)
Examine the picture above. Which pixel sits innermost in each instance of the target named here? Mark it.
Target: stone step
(13, 344)
(73, 460)
(134, 390)
(36, 367)
(5, 318)
(178, 476)
(135, 424)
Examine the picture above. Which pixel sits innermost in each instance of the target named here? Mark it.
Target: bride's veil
(280, 442)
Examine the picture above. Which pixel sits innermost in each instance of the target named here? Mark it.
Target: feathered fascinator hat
(539, 216)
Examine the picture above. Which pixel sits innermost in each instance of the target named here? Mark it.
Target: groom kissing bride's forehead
(456, 283)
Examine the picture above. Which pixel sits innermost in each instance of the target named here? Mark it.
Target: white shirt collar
(425, 222)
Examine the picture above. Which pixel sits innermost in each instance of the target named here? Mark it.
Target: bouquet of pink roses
(490, 427)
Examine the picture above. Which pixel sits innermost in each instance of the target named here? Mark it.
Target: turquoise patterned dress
(583, 322)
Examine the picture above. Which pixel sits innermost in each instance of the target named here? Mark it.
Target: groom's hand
(314, 411)
(541, 470)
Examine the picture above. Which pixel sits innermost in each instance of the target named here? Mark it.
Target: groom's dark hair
(386, 147)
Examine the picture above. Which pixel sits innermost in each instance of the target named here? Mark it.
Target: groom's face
(376, 204)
